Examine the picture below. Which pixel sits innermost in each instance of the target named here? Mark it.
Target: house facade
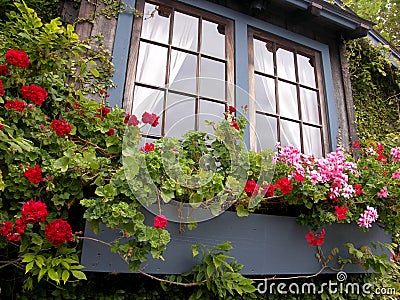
(284, 61)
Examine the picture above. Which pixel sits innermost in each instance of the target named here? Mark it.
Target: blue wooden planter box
(264, 244)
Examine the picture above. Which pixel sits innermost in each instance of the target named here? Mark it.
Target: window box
(264, 244)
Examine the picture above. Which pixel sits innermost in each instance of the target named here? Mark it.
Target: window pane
(263, 57)
(156, 27)
(288, 100)
(152, 64)
(312, 140)
(213, 40)
(183, 71)
(265, 93)
(212, 84)
(185, 31)
(266, 128)
(290, 134)
(180, 115)
(306, 70)
(210, 111)
(149, 100)
(285, 64)
(309, 106)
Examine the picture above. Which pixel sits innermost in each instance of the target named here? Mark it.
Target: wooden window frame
(254, 33)
(130, 78)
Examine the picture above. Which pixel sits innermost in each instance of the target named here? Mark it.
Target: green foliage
(376, 91)
(385, 13)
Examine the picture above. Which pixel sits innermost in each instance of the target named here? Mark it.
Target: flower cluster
(315, 239)
(160, 221)
(61, 127)
(17, 58)
(34, 212)
(34, 175)
(230, 116)
(34, 93)
(147, 147)
(395, 153)
(104, 111)
(251, 188)
(16, 105)
(370, 215)
(151, 119)
(58, 232)
(4, 70)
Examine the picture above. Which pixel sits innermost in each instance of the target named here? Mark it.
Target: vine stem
(79, 139)
(141, 271)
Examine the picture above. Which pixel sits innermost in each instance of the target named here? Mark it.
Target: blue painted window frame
(241, 24)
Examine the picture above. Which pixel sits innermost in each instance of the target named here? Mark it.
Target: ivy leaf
(29, 267)
(62, 163)
(242, 211)
(65, 276)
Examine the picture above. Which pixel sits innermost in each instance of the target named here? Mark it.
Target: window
(175, 50)
(288, 96)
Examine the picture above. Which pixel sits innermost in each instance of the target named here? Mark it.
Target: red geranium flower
(341, 212)
(34, 93)
(382, 158)
(58, 232)
(160, 221)
(19, 226)
(358, 188)
(34, 175)
(235, 125)
(131, 120)
(4, 70)
(1, 89)
(111, 131)
(268, 190)
(356, 145)
(251, 188)
(14, 237)
(15, 104)
(285, 185)
(34, 212)
(6, 228)
(231, 109)
(61, 127)
(315, 239)
(147, 147)
(150, 119)
(17, 58)
(104, 111)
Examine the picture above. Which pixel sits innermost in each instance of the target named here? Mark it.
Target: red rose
(160, 221)
(148, 147)
(150, 119)
(17, 58)
(110, 131)
(285, 185)
(34, 175)
(15, 104)
(315, 239)
(251, 188)
(58, 232)
(268, 190)
(61, 127)
(1, 89)
(4, 70)
(34, 93)
(34, 212)
(104, 111)
(131, 120)
(341, 212)
(6, 228)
